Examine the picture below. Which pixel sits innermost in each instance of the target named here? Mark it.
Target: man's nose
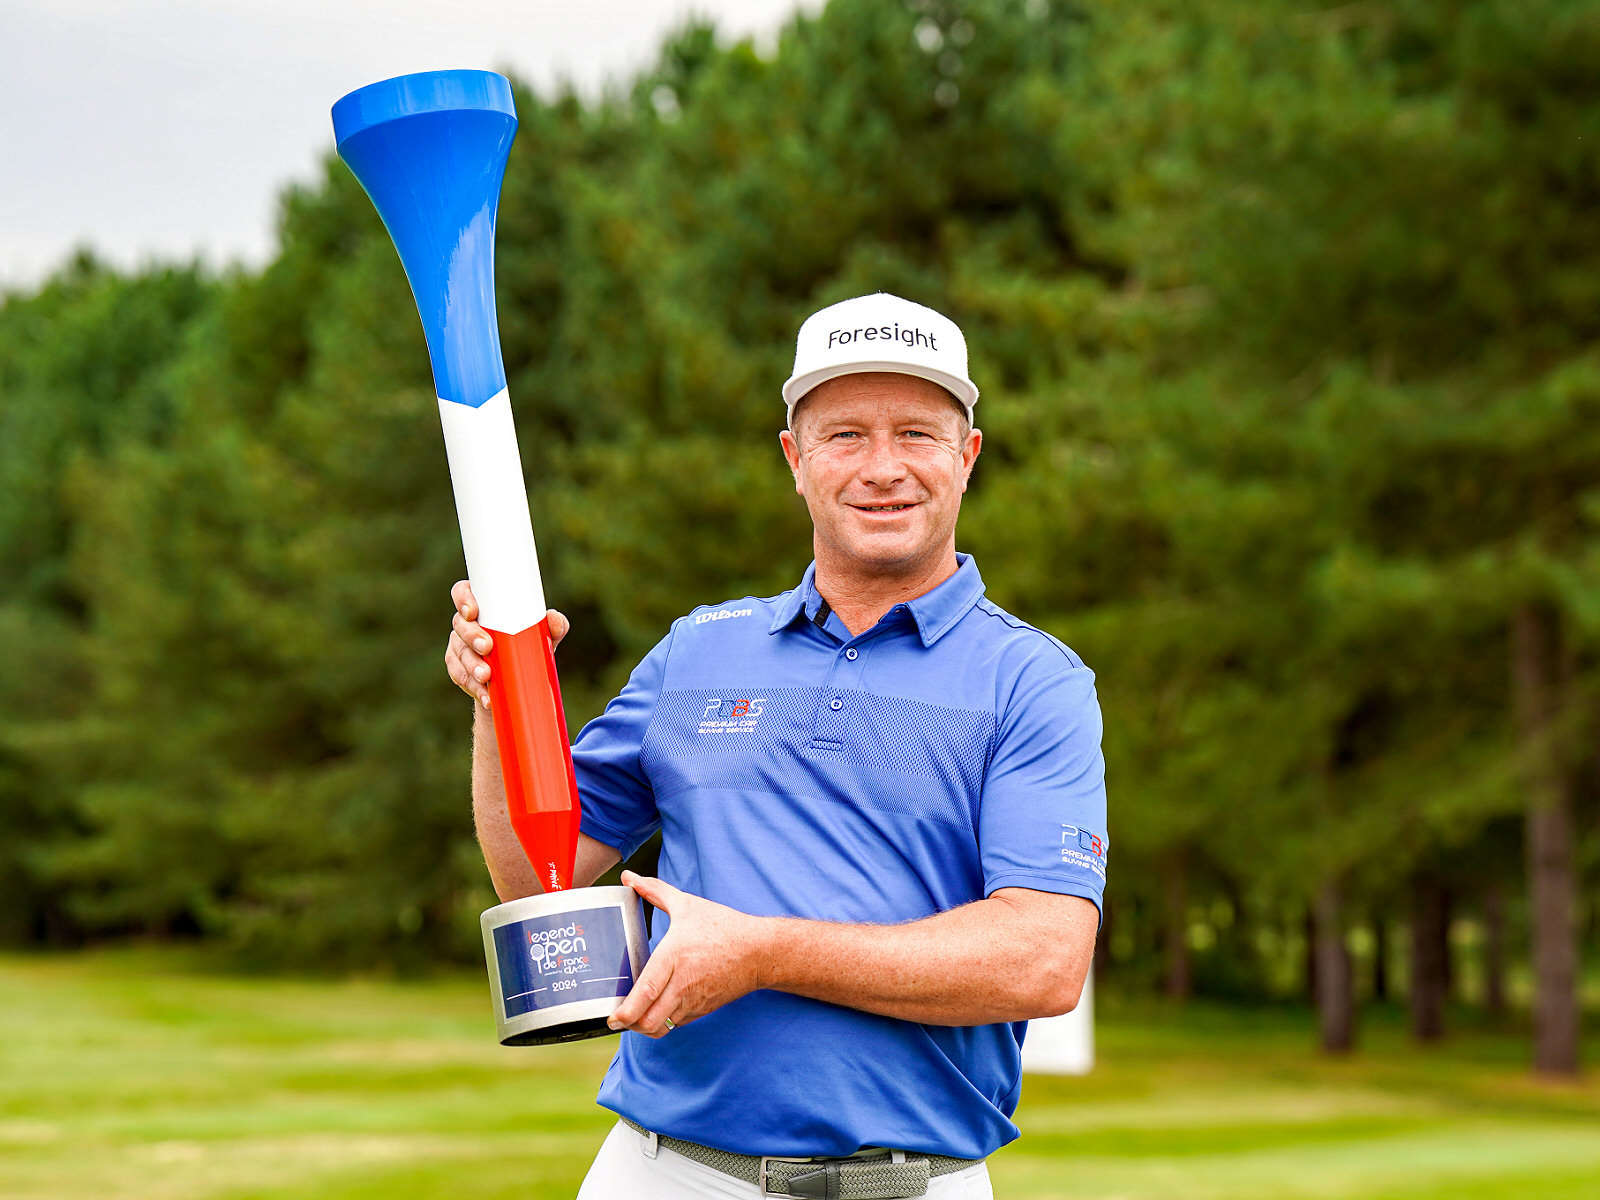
(884, 466)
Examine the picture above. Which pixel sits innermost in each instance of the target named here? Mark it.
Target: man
(882, 808)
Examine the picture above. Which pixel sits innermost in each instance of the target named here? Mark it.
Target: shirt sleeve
(619, 805)
(1042, 819)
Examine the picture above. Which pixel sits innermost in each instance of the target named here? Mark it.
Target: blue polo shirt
(796, 770)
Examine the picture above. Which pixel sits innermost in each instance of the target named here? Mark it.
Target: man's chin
(887, 553)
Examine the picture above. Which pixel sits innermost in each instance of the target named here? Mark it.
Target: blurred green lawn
(139, 1074)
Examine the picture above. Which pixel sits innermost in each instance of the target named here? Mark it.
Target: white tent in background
(1063, 1045)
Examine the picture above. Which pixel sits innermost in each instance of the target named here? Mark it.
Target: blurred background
(1287, 320)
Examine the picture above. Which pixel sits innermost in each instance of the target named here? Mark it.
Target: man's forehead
(878, 395)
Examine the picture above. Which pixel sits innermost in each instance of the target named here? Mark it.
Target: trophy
(430, 149)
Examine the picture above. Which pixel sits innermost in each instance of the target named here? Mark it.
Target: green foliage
(85, 366)
(1285, 319)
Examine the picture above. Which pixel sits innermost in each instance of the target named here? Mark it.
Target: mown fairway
(129, 1075)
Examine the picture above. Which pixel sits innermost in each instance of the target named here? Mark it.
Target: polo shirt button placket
(845, 676)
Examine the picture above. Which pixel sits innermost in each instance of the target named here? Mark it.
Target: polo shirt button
(837, 704)
(851, 654)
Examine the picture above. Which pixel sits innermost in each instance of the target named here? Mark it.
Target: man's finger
(559, 627)
(474, 666)
(472, 661)
(466, 603)
(466, 672)
(661, 894)
(471, 634)
(654, 1022)
(652, 982)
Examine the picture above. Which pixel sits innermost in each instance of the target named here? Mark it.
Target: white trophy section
(1063, 1045)
(492, 506)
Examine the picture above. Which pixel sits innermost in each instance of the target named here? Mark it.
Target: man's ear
(791, 454)
(969, 455)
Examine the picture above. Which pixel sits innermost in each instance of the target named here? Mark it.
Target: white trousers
(623, 1170)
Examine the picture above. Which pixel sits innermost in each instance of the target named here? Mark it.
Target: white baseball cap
(880, 332)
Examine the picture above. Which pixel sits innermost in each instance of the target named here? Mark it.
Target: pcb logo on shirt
(731, 716)
(1082, 848)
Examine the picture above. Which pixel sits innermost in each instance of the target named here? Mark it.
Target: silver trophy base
(561, 963)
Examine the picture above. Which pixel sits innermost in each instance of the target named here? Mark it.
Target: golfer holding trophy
(881, 796)
(882, 807)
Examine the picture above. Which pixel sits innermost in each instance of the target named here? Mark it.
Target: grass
(139, 1074)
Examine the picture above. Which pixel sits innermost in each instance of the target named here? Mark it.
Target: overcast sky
(162, 128)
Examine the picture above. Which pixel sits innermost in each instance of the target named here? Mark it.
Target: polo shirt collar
(804, 598)
(934, 612)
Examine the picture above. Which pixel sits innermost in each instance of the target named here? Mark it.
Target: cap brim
(798, 385)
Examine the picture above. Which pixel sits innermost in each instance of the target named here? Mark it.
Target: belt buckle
(761, 1173)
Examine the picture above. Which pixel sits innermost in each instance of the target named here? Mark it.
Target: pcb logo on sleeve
(1081, 848)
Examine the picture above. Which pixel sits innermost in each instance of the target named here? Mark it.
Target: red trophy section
(530, 729)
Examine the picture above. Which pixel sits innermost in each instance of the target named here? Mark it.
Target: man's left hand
(710, 956)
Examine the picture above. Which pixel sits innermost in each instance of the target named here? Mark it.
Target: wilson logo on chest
(731, 716)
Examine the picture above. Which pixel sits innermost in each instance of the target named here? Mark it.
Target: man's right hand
(470, 644)
(509, 869)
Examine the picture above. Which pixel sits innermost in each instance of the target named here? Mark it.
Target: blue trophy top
(430, 150)
(425, 92)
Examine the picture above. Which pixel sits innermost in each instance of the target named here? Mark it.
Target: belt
(865, 1175)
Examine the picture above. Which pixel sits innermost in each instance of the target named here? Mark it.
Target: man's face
(882, 460)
